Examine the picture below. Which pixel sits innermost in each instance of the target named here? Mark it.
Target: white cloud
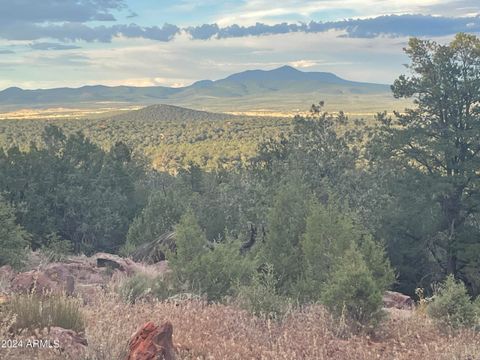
(268, 12)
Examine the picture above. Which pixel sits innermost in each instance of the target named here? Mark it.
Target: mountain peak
(286, 69)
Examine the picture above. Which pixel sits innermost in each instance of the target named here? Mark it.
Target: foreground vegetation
(216, 331)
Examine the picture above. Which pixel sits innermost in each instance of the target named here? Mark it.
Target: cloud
(81, 20)
(35, 11)
(6, 52)
(304, 63)
(392, 25)
(266, 11)
(453, 8)
(69, 32)
(52, 46)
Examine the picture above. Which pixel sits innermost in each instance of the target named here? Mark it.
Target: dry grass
(213, 331)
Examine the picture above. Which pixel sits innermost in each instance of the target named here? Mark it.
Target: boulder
(115, 262)
(152, 342)
(396, 300)
(68, 274)
(33, 282)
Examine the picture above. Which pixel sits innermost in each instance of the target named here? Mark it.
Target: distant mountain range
(257, 88)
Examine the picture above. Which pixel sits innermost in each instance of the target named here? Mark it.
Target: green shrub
(161, 213)
(220, 269)
(352, 292)
(452, 306)
(143, 286)
(56, 249)
(330, 232)
(202, 267)
(261, 297)
(13, 238)
(36, 312)
(286, 224)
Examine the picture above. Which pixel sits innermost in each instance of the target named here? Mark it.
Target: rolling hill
(284, 88)
(170, 113)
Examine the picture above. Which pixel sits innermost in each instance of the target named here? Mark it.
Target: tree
(321, 147)
(286, 224)
(191, 244)
(72, 187)
(211, 269)
(353, 292)
(162, 212)
(452, 306)
(437, 144)
(14, 240)
(330, 233)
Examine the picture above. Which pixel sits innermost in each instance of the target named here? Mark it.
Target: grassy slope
(223, 332)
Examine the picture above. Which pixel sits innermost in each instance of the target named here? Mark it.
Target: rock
(151, 342)
(83, 271)
(33, 282)
(70, 285)
(392, 299)
(70, 343)
(116, 262)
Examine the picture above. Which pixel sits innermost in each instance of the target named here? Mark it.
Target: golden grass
(214, 331)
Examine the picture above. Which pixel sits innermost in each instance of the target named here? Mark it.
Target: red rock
(152, 342)
(397, 300)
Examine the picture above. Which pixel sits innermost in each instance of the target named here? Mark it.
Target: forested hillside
(170, 137)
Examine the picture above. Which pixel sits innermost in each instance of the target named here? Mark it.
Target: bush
(34, 312)
(162, 212)
(13, 238)
(452, 306)
(56, 249)
(220, 269)
(330, 232)
(286, 224)
(143, 286)
(206, 268)
(352, 292)
(261, 297)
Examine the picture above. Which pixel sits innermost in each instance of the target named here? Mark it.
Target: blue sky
(52, 43)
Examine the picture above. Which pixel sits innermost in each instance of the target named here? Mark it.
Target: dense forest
(169, 137)
(313, 212)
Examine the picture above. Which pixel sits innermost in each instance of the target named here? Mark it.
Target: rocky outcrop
(78, 276)
(115, 262)
(152, 342)
(397, 300)
(33, 282)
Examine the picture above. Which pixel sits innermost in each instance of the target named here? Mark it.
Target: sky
(58, 43)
